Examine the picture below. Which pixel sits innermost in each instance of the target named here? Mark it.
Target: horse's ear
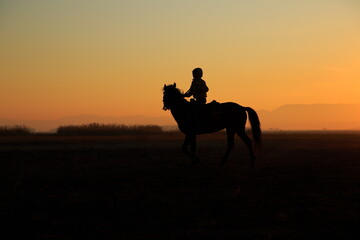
(174, 84)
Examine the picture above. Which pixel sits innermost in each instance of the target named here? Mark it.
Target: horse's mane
(173, 90)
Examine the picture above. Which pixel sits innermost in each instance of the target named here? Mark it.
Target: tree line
(91, 129)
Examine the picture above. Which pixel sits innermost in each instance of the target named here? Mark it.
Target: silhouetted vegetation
(96, 129)
(15, 130)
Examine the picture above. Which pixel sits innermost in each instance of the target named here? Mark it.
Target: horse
(232, 118)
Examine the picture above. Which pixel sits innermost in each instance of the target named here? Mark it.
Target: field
(304, 185)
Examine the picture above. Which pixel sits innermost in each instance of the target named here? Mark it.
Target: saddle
(213, 109)
(209, 111)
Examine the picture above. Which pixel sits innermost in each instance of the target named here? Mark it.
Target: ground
(304, 185)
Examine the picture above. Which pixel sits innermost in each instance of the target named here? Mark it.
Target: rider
(198, 88)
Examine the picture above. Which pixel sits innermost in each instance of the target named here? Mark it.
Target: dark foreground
(303, 186)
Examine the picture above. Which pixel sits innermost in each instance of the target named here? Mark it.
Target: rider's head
(197, 73)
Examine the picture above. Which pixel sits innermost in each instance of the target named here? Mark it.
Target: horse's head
(171, 95)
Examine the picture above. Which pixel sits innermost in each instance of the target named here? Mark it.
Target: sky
(111, 57)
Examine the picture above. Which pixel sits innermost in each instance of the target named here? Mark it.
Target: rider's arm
(190, 92)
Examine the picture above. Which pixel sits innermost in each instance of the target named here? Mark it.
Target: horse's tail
(255, 127)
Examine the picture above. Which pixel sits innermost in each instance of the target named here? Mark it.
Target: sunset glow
(111, 58)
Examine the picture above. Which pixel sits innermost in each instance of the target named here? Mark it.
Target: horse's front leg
(230, 145)
(190, 140)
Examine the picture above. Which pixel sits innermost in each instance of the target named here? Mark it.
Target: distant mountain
(286, 117)
(129, 120)
(312, 116)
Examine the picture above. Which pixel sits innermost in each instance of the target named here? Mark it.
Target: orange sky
(63, 58)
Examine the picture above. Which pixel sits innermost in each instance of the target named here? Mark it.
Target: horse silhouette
(232, 117)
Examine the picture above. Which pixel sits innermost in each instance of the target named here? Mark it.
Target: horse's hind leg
(242, 134)
(230, 145)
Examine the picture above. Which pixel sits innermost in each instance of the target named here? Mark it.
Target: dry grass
(303, 186)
